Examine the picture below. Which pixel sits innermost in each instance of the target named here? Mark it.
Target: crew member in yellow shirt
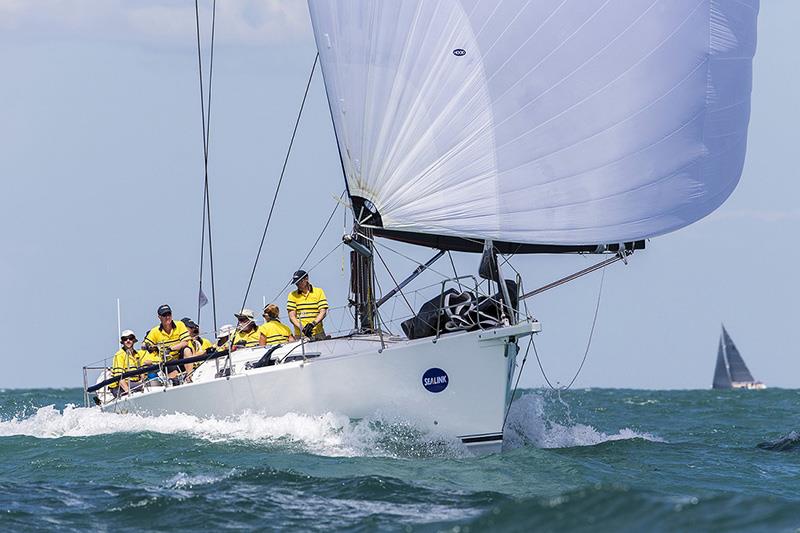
(199, 345)
(126, 359)
(170, 338)
(273, 331)
(246, 335)
(307, 307)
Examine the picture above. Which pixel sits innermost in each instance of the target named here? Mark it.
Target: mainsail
(554, 122)
(738, 371)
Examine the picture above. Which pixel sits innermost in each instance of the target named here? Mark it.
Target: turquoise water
(583, 460)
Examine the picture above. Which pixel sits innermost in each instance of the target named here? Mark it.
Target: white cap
(127, 333)
(225, 331)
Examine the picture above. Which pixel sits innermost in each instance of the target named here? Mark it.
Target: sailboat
(495, 128)
(730, 371)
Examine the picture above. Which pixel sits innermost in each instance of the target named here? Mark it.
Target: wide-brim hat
(225, 331)
(245, 313)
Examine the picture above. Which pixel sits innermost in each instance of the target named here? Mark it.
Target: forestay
(551, 121)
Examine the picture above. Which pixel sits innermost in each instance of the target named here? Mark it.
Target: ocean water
(583, 460)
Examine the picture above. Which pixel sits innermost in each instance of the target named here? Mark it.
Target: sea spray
(530, 424)
(329, 434)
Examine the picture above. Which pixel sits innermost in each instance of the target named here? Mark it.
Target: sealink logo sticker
(434, 380)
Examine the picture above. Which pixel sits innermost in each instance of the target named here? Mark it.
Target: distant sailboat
(731, 372)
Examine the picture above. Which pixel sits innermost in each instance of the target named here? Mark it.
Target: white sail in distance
(550, 121)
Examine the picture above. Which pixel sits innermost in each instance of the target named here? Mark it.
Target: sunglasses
(130, 338)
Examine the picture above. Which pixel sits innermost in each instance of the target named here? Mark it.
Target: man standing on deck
(171, 337)
(307, 307)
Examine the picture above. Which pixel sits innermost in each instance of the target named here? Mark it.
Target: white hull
(353, 376)
(749, 385)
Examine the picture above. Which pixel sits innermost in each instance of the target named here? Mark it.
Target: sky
(101, 166)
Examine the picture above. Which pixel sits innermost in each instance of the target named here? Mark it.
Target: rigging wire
(206, 124)
(280, 179)
(588, 343)
(519, 375)
(313, 246)
(393, 280)
(539, 361)
(455, 272)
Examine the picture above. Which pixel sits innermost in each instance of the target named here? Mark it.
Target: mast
(362, 279)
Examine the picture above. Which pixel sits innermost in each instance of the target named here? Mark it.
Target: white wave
(182, 480)
(329, 434)
(528, 424)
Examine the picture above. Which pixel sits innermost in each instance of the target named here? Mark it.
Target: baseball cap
(297, 276)
(164, 310)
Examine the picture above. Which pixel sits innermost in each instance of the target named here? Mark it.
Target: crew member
(272, 331)
(170, 337)
(224, 336)
(307, 307)
(126, 359)
(246, 335)
(199, 345)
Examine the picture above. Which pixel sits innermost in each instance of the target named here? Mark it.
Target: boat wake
(529, 425)
(330, 434)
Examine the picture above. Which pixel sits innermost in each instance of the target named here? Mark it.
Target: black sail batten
(459, 244)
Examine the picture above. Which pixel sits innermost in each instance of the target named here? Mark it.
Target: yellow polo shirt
(250, 339)
(275, 332)
(125, 362)
(200, 346)
(307, 307)
(158, 337)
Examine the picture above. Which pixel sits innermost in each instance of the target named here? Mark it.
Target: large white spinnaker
(549, 121)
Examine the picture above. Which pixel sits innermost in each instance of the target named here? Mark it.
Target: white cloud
(243, 22)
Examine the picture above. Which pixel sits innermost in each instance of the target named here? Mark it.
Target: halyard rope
(206, 123)
(280, 179)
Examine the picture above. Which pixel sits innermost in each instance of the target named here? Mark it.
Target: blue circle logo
(459, 52)
(434, 380)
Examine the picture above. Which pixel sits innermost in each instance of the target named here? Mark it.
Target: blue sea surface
(583, 460)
